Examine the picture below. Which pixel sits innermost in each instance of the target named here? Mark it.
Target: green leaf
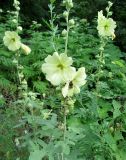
(37, 155)
(117, 107)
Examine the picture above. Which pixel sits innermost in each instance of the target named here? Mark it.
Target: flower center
(106, 27)
(13, 39)
(60, 66)
(71, 85)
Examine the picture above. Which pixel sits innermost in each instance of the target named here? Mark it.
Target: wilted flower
(25, 48)
(106, 26)
(73, 87)
(12, 40)
(58, 68)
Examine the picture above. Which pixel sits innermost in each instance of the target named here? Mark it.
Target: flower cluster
(59, 71)
(68, 3)
(106, 26)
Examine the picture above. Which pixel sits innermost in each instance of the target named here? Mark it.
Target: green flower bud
(71, 22)
(64, 32)
(107, 9)
(21, 75)
(19, 28)
(1, 10)
(14, 20)
(24, 94)
(15, 61)
(24, 82)
(110, 4)
(65, 14)
(64, 2)
(70, 5)
(18, 8)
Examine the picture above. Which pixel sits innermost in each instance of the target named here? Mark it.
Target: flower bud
(15, 61)
(24, 82)
(64, 32)
(19, 28)
(17, 142)
(24, 95)
(64, 2)
(1, 10)
(18, 8)
(20, 67)
(44, 95)
(65, 14)
(14, 20)
(25, 131)
(83, 20)
(70, 5)
(110, 14)
(71, 22)
(107, 9)
(34, 22)
(110, 4)
(113, 36)
(21, 75)
(25, 48)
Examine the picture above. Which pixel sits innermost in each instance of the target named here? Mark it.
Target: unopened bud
(110, 3)
(64, 32)
(21, 75)
(26, 49)
(18, 8)
(17, 141)
(14, 20)
(19, 28)
(15, 61)
(44, 95)
(65, 14)
(70, 5)
(24, 82)
(71, 22)
(24, 94)
(1, 10)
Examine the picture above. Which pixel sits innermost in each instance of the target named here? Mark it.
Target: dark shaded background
(38, 9)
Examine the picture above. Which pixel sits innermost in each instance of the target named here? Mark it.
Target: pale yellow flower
(58, 68)
(106, 26)
(12, 40)
(25, 48)
(73, 87)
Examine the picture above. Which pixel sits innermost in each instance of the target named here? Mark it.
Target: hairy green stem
(52, 26)
(67, 36)
(64, 129)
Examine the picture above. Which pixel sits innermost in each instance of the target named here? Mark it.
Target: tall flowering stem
(60, 72)
(67, 33)
(106, 30)
(52, 26)
(69, 23)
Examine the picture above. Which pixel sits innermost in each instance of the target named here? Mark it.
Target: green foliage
(96, 126)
